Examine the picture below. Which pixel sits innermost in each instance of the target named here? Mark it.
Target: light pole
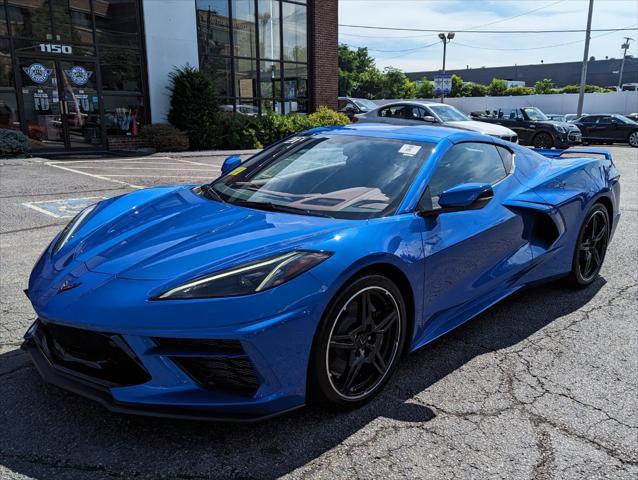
(445, 39)
(625, 47)
(583, 72)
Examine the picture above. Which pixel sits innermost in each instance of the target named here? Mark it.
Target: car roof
(413, 102)
(417, 133)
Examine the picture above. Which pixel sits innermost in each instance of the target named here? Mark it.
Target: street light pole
(445, 39)
(624, 46)
(583, 72)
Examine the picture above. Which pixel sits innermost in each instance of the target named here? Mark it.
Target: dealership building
(85, 75)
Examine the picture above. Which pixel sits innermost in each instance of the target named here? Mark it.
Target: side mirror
(429, 119)
(466, 196)
(230, 164)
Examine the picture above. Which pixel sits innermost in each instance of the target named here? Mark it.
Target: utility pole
(583, 72)
(445, 39)
(624, 46)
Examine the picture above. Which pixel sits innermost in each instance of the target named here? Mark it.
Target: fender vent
(544, 231)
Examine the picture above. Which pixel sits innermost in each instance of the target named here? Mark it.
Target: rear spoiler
(551, 153)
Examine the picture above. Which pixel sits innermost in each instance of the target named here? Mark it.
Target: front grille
(214, 364)
(100, 357)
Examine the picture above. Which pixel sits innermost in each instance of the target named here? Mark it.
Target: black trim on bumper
(102, 395)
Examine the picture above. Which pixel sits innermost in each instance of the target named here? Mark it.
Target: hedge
(13, 143)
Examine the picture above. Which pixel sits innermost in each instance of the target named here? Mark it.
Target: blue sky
(408, 51)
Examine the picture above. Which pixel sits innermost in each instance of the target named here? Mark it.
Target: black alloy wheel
(359, 342)
(591, 247)
(543, 140)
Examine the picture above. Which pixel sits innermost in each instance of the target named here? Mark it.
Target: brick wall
(126, 143)
(324, 64)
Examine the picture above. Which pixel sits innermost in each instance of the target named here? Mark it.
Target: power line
(518, 15)
(399, 29)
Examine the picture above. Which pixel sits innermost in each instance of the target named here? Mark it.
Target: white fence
(561, 103)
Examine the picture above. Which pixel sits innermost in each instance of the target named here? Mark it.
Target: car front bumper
(569, 139)
(262, 374)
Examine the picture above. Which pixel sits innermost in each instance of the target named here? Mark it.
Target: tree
(544, 86)
(370, 84)
(425, 89)
(497, 87)
(353, 64)
(193, 102)
(473, 90)
(519, 90)
(397, 85)
(457, 86)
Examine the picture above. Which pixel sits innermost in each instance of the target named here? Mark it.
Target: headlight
(560, 128)
(71, 228)
(250, 278)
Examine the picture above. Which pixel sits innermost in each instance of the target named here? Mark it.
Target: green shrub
(164, 137)
(497, 87)
(193, 102)
(13, 143)
(544, 86)
(228, 130)
(588, 89)
(519, 90)
(473, 90)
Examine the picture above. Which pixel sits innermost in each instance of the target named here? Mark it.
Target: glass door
(61, 104)
(80, 104)
(41, 101)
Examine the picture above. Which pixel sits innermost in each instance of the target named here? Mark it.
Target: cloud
(405, 49)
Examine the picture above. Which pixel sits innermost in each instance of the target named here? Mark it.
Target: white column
(171, 41)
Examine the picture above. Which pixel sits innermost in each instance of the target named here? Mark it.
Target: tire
(543, 140)
(353, 358)
(591, 247)
(633, 139)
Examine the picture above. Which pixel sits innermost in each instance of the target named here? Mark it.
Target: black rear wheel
(543, 140)
(591, 247)
(359, 342)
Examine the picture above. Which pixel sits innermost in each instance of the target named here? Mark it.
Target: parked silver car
(416, 113)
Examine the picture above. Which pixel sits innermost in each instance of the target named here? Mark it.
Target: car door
(604, 128)
(587, 126)
(619, 130)
(470, 256)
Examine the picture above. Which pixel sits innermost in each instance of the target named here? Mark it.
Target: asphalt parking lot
(542, 386)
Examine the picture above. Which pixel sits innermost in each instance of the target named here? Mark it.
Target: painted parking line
(99, 177)
(160, 176)
(63, 207)
(179, 168)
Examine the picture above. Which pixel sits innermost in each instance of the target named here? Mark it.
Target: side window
(396, 111)
(418, 112)
(507, 157)
(467, 163)
(604, 119)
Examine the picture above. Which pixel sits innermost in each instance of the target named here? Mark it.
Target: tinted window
(396, 111)
(467, 163)
(507, 157)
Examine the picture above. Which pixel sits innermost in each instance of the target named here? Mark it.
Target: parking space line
(159, 176)
(194, 163)
(99, 177)
(180, 169)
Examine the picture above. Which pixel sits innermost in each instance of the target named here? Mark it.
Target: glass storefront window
(245, 78)
(6, 69)
(72, 21)
(121, 69)
(270, 79)
(9, 110)
(3, 21)
(295, 32)
(123, 114)
(213, 29)
(244, 28)
(295, 80)
(30, 19)
(116, 22)
(269, 29)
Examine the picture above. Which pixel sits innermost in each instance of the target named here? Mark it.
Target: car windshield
(364, 104)
(534, 114)
(341, 176)
(448, 114)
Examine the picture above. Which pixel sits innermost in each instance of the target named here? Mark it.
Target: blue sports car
(308, 271)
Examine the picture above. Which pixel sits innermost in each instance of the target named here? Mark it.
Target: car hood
(482, 127)
(566, 125)
(161, 234)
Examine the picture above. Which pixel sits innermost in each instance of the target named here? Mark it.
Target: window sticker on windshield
(408, 149)
(237, 171)
(294, 140)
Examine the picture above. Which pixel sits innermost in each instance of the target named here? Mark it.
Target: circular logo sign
(79, 75)
(37, 72)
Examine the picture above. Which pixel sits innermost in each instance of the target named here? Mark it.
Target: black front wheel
(591, 247)
(543, 140)
(359, 342)
(633, 139)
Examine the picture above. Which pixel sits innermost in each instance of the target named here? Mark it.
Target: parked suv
(419, 113)
(608, 128)
(533, 127)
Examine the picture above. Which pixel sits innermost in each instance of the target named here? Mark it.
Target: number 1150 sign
(56, 48)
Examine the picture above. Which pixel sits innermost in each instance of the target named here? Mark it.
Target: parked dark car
(632, 116)
(533, 127)
(608, 128)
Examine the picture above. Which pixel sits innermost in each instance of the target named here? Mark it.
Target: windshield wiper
(209, 192)
(276, 207)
